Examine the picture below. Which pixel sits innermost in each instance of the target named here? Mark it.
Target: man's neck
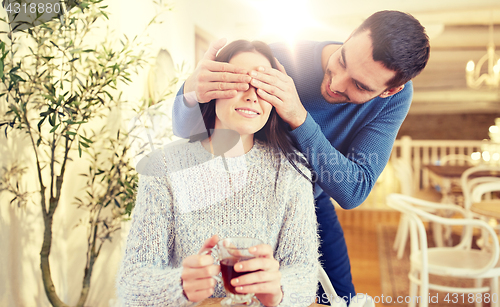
(327, 51)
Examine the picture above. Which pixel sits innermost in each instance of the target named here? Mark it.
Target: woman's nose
(251, 95)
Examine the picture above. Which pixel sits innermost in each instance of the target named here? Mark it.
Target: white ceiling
(458, 30)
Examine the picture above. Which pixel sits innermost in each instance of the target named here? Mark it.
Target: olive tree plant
(57, 91)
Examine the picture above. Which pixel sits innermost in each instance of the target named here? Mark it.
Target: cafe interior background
(451, 113)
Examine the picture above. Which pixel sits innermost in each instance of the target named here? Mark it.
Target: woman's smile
(247, 112)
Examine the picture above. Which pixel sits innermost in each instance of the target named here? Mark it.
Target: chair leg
(397, 239)
(437, 234)
(494, 292)
(413, 290)
(403, 232)
(424, 294)
(478, 283)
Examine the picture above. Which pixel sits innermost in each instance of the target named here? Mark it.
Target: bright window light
(284, 19)
(494, 129)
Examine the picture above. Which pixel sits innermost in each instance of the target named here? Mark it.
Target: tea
(228, 272)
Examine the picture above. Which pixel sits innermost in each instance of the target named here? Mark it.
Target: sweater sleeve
(297, 250)
(349, 178)
(186, 121)
(146, 276)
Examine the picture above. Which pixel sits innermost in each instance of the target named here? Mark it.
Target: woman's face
(246, 113)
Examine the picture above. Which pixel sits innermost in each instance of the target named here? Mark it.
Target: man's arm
(349, 179)
(186, 120)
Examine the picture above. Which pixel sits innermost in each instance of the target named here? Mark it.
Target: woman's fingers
(262, 250)
(256, 277)
(265, 276)
(200, 272)
(257, 288)
(198, 284)
(198, 295)
(197, 272)
(208, 245)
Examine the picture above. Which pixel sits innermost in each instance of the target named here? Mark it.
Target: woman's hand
(197, 272)
(266, 283)
(212, 80)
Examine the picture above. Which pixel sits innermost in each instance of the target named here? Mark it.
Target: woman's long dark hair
(274, 133)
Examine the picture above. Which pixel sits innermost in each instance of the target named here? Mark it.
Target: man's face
(351, 74)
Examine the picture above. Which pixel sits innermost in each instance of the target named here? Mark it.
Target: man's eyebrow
(360, 84)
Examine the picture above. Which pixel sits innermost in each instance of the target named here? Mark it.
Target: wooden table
(445, 176)
(215, 302)
(489, 208)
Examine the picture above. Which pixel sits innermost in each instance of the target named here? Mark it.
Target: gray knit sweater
(186, 195)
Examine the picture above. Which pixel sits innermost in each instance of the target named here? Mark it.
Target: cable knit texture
(186, 195)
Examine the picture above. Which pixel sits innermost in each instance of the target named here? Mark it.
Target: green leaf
(85, 145)
(54, 128)
(76, 50)
(52, 119)
(15, 78)
(79, 151)
(70, 133)
(40, 124)
(49, 97)
(1, 68)
(85, 139)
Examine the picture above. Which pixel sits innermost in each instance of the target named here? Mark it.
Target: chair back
(468, 182)
(404, 173)
(326, 283)
(483, 188)
(360, 300)
(418, 210)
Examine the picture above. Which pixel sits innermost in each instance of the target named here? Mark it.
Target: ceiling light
(490, 79)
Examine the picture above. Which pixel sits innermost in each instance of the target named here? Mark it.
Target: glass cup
(228, 252)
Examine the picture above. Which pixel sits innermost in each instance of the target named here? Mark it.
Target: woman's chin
(247, 131)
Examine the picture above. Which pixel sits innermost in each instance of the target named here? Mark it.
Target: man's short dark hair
(399, 42)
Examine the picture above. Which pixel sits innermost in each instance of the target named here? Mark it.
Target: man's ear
(391, 91)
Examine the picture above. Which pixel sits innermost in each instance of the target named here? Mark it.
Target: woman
(260, 188)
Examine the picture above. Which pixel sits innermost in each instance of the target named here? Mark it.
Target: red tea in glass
(228, 272)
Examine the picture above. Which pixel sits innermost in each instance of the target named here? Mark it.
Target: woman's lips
(242, 112)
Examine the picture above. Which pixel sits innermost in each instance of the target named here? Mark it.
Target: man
(344, 103)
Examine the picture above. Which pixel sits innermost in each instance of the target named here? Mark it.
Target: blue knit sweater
(348, 145)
